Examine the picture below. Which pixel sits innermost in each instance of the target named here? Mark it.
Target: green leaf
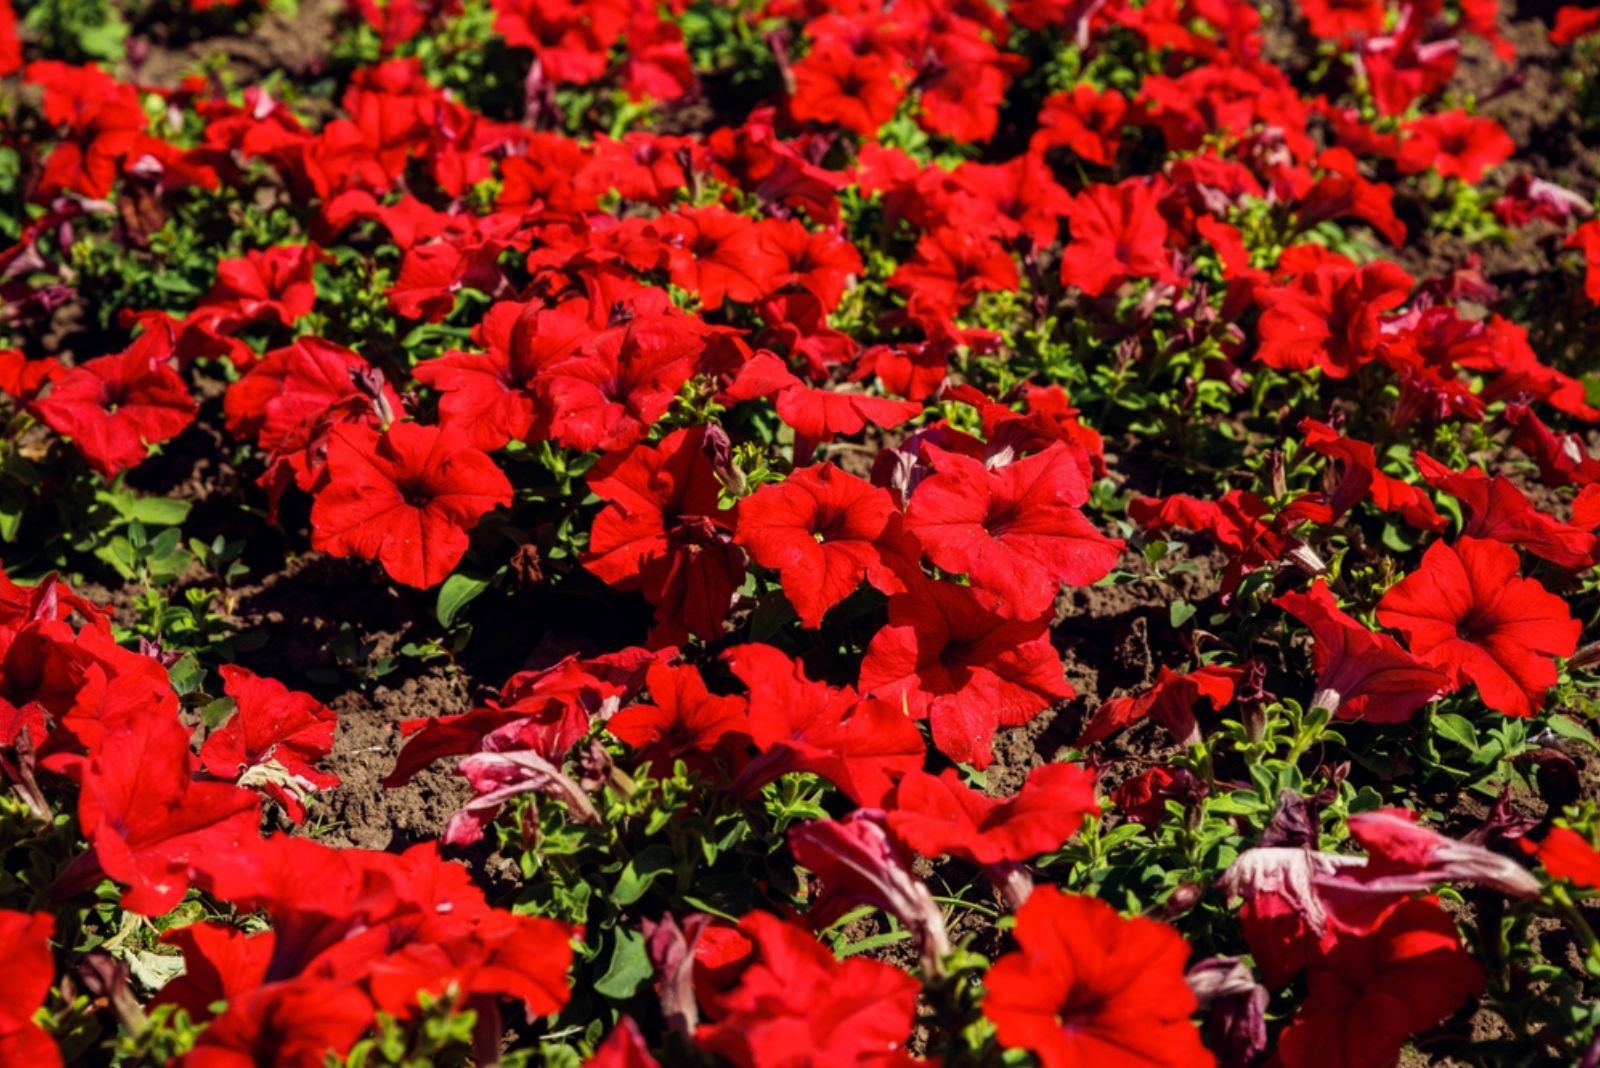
(628, 968)
(634, 882)
(1180, 612)
(1457, 729)
(1117, 835)
(456, 593)
(186, 675)
(1571, 728)
(215, 713)
(871, 942)
(117, 555)
(159, 511)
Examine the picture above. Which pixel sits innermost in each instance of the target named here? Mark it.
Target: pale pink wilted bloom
(498, 777)
(1405, 856)
(859, 864)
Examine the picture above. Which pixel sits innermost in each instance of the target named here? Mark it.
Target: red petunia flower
(408, 498)
(1497, 510)
(150, 823)
(1574, 21)
(1340, 20)
(861, 746)
(546, 710)
(665, 532)
(1016, 199)
(824, 531)
(792, 995)
(835, 84)
(1586, 239)
(1401, 68)
(220, 964)
(274, 283)
(10, 43)
(290, 401)
(24, 984)
(940, 814)
(1089, 987)
(950, 268)
(1329, 317)
(485, 393)
(1171, 699)
(608, 393)
(115, 407)
(966, 669)
(1237, 522)
(720, 256)
(685, 722)
(1566, 854)
(624, 1047)
(1361, 479)
(102, 120)
(274, 740)
(1118, 234)
(1466, 611)
(1084, 119)
(823, 263)
(23, 379)
(816, 415)
(1143, 798)
(1360, 674)
(1369, 994)
(294, 1024)
(1454, 145)
(1016, 529)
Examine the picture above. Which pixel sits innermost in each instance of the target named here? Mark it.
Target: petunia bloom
(1361, 674)
(408, 498)
(792, 995)
(1566, 854)
(1016, 529)
(1369, 994)
(1089, 987)
(684, 722)
(1360, 479)
(665, 533)
(1329, 317)
(1496, 509)
(1171, 700)
(115, 407)
(1454, 145)
(150, 823)
(1467, 612)
(24, 984)
(825, 531)
(939, 815)
(966, 669)
(861, 746)
(274, 740)
(1118, 234)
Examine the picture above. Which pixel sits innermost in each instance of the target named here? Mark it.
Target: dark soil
(361, 812)
(163, 50)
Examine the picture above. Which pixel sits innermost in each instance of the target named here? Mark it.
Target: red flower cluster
(787, 398)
